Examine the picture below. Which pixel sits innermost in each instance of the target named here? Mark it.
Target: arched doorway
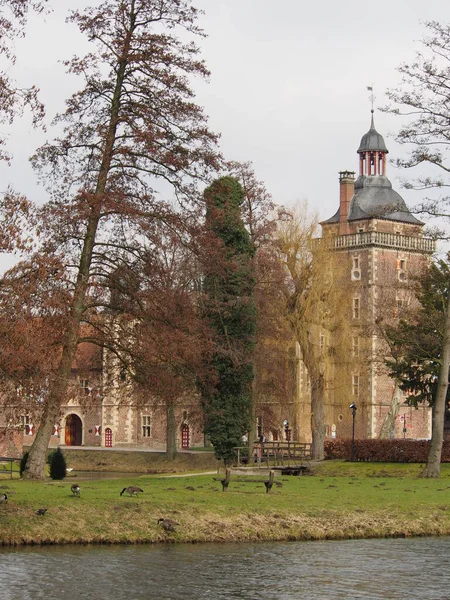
(108, 437)
(74, 430)
(185, 436)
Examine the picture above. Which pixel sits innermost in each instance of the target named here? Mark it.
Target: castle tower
(380, 245)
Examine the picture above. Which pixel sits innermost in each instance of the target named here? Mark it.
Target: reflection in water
(406, 569)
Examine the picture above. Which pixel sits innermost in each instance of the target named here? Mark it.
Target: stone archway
(74, 430)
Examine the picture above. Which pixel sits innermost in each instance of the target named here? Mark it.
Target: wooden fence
(274, 454)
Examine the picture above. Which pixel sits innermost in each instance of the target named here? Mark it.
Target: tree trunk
(251, 433)
(34, 468)
(317, 419)
(296, 429)
(317, 379)
(388, 426)
(36, 459)
(171, 430)
(433, 468)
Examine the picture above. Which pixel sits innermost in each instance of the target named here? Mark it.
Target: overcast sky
(287, 90)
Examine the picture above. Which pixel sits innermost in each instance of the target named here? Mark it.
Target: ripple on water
(406, 569)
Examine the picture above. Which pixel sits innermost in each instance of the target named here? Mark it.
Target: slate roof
(372, 140)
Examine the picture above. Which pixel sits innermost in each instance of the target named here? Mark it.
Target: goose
(41, 511)
(132, 490)
(75, 489)
(3, 498)
(168, 524)
(269, 483)
(225, 481)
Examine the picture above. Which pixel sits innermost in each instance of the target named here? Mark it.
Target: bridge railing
(274, 453)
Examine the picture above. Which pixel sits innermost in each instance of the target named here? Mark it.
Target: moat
(387, 569)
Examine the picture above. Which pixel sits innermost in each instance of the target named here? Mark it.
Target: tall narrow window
(322, 343)
(355, 385)
(356, 268)
(146, 426)
(401, 269)
(355, 345)
(356, 308)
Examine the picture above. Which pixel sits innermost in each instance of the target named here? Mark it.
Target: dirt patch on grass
(138, 462)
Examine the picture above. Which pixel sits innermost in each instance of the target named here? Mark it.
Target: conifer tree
(57, 462)
(230, 309)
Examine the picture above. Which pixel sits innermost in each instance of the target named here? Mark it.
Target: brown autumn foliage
(134, 123)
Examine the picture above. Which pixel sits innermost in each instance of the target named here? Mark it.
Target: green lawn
(341, 500)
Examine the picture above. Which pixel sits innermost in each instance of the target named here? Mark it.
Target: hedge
(401, 451)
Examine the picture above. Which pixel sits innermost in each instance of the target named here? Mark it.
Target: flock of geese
(132, 490)
(169, 525)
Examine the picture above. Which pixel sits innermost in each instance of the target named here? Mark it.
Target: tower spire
(371, 98)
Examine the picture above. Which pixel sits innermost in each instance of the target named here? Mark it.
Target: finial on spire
(371, 97)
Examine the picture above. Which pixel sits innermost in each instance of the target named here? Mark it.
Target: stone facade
(103, 411)
(380, 247)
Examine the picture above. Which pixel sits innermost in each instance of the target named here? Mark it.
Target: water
(406, 569)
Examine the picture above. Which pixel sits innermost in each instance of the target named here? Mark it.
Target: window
(401, 269)
(146, 426)
(321, 343)
(356, 268)
(356, 308)
(355, 345)
(84, 385)
(402, 300)
(25, 422)
(355, 385)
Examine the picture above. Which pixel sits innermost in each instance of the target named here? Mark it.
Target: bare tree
(13, 98)
(134, 123)
(423, 96)
(315, 308)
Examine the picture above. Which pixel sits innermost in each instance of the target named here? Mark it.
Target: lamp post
(353, 407)
(287, 433)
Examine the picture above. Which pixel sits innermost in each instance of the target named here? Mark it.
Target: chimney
(346, 191)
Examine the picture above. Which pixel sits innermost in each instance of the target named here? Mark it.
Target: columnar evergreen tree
(133, 123)
(230, 309)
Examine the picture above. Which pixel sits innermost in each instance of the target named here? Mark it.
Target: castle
(378, 244)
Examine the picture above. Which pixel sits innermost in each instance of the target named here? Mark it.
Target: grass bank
(340, 501)
(138, 462)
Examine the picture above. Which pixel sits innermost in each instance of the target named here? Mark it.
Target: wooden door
(108, 437)
(74, 431)
(185, 441)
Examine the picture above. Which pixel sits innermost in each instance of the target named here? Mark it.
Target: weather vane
(371, 97)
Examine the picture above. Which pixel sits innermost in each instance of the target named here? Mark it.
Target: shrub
(400, 451)
(57, 464)
(23, 462)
